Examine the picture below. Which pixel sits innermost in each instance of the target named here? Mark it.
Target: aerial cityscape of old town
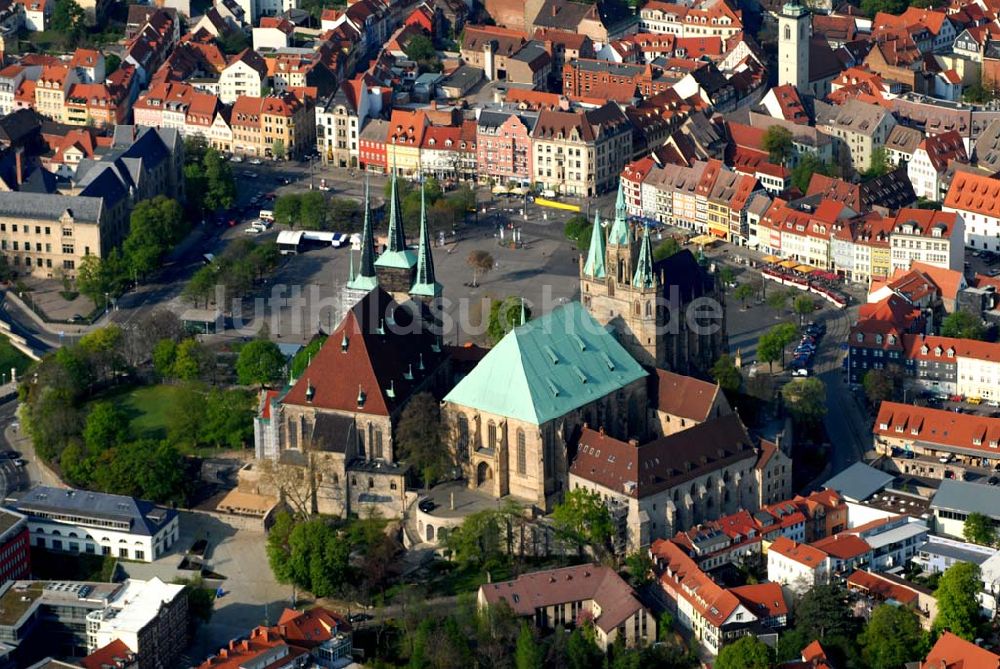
(499, 334)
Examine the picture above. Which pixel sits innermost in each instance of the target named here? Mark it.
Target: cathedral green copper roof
(548, 367)
(618, 235)
(595, 254)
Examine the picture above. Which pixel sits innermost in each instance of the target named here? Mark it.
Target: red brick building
(15, 554)
(582, 76)
(371, 146)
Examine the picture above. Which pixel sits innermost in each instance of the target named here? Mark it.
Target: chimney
(555, 9)
(434, 105)
(18, 165)
(633, 442)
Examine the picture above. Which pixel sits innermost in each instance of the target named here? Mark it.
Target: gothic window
(788, 32)
(649, 308)
(522, 455)
(463, 436)
(378, 444)
(638, 308)
(491, 435)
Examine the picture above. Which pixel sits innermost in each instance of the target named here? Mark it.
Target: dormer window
(899, 428)
(878, 339)
(977, 441)
(859, 337)
(892, 339)
(951, 353)
(924, 349)
(883, 426)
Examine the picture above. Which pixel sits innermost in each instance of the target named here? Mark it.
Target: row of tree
(155, 226)
(208, 178)
(242, 266)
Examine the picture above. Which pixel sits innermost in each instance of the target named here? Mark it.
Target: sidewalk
(38, 472)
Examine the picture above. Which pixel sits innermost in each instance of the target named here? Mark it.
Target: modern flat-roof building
(938, 553)
(15, 553)
(63, 618)
(96, 523)
(955, 500)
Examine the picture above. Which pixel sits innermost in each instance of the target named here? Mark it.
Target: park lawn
(148, 408)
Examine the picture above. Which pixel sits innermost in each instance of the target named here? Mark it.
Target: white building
(244, 76)
(95, 523)
(794, 36)
(272, 33)
(977, 198)
(937, 554)
(135, 609)
(931, 237)
(797, 566)
(955, 500)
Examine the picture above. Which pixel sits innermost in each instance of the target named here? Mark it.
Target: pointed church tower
(425, 285)
(620, 254)
(644, 277)
(362, 281)
(396, 266)
(594, 267)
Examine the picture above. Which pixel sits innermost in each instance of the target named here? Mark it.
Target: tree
(164, 355)
(68, 18)
(581, 648)
(200, 599)
(278, 149)
(805, 399)
(505, 315)
(977, 94)
(748, 652)
(962, 325)
(778, 144)
(481, 262)
(106, 427)
(803, 306)
(808, 165)
(978, 529)
(190, 360)
(640, 568)
(891, 638)
(476, 542)
(111, 64)
(727, 277)
(228, 418)
(777, 300)
(260, 362)
(529, 652)
(873, 7)
(305, 356)
(309, 554)
(583, 519)
(220, 190)
(880, 384)
(420, 48)
(880, 165)
(665, 249)
(726, 374)
(233, 42)
(958, 608)
(418, 437)
(312, 210)
(769, 349)
(154, 226)
(743, 293)
(823, 612)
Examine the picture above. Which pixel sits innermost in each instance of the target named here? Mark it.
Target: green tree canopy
(805, 399)
(958, 608)
(891, 638)
(962, 325)
(106, 426)
(529, 652)
(747, 652)
(880, 384)
(666, 248)
(505, 315)
(978, 529)
(808, 165)
(803, 305)
(726, 374)
(260, 362)
(744, 293)
(155, 226)
(68, 18)
(309, 554)
(583, 519)
(778, 144)
(419, 438)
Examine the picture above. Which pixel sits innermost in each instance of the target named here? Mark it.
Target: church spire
(618, 236)
(365, 279)
(397, 238)
(425, 284)
(594, 267)
(644, 277)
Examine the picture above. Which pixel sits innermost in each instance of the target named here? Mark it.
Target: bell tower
(794, 35)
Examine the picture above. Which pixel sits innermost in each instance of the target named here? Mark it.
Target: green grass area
(11, 357)
(148, 408)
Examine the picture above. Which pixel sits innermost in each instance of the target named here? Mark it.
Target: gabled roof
(975, 193)
(804, 554)
(371, 355)
(969, 432)
(684, 396)
(682, 576)
(143, 518)
(953, 652)
(859, 481)
(548, 367)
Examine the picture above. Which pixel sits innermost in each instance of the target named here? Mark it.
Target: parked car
(955, 398)
(427, 505)
(256, 161)
(945, 459)
(993, 480)
(237, 159)
(801, 371)
(974, 400)
(21, 462)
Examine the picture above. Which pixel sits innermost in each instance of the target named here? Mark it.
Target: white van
(549, 194)
(260, 224)
(266, 215)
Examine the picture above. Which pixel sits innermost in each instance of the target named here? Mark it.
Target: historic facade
(647, 302)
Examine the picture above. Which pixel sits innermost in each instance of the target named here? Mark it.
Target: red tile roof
(974, 193)
(952, 652)
(684, 396)
(939, 427)
(763, 599)
(801, 553)
(881, 588)
(681, 575)
(311, 628)
(110, 656)
(843, 546)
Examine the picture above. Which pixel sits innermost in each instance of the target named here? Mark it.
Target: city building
(672, 483)
(955, 500)
(72, 618)
(874, 589)
(976, 197)
(244, 76)
(681, 402)
(952, 652)
(797, 566)
(929, 163)
(861, 128)
(503, 146)
(95, 523)
(926, 236)
(282, 125)
(556, 597)
(339, 120)
(15, 552)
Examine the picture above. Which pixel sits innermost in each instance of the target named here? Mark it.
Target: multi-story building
(797, 566)
(15, 551)
(976, 197)
(580, 153)
(441, 152)
(681, 402)
(50, 90)
(584, 78)
(405, 135)
(926, 236)
(862, 128)
(94, 523)
(929, 164)
(680, 480)
(930, 434)
(76, 618)
(503, 145)
(955, 501)
(281, 125)
(339, 121)
(708, 18)
(244, 76)
(556, 597)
